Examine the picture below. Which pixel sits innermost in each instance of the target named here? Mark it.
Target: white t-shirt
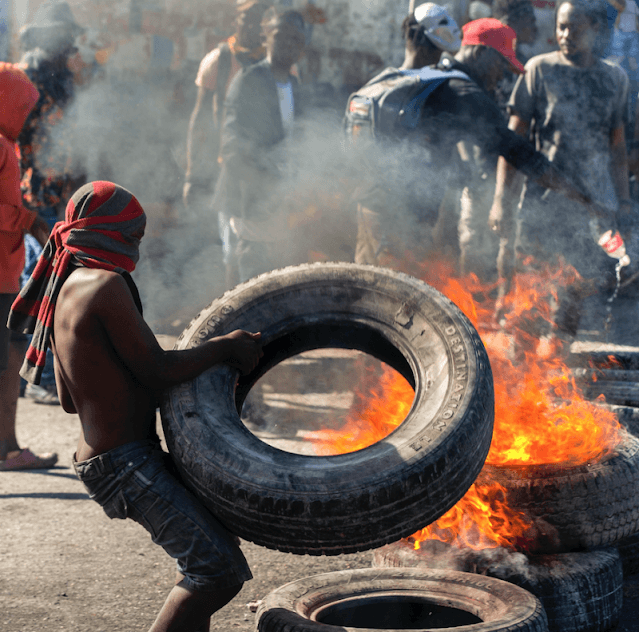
(287, 104)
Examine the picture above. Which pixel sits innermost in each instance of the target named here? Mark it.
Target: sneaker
(41, 395)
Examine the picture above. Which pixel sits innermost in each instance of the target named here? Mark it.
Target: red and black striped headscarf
(102, 229)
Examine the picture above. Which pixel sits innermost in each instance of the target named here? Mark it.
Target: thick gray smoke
(133, 132)
(495, 562)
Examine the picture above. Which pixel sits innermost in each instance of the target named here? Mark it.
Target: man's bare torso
(92, 379)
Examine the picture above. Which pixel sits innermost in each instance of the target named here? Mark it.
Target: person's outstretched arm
(137, 347)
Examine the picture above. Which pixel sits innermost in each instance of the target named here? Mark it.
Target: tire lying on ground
(350, 502)
(580, 592)
(400, 599)
(590, 505)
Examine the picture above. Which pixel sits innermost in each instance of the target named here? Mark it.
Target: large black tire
(400, 599)
(596, 504)
(580, 592)
(350, 502)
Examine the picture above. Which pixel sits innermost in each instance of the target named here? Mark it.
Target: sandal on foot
(27, 460)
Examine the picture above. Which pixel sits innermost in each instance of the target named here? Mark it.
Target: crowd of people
(466, 149)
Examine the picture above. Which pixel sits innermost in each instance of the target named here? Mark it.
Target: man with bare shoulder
(109, 370)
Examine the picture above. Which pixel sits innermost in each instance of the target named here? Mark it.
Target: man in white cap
(428, 32)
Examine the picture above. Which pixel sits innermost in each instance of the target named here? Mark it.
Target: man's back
(95, 321)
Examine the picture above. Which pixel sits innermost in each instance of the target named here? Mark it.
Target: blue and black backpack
(390, 105)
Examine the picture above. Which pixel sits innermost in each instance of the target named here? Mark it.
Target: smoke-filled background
(129, 117)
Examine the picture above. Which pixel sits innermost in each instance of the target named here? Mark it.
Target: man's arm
(633, 156)
(508, 186)
(138, 349)
(201, 124)
(14, 217)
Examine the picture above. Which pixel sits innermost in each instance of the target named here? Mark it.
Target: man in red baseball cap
(487, 53)
(493, 34)
(466, 133)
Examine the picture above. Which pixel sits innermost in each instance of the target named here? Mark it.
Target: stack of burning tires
(583, 521)
(610, 375)
(383, 494)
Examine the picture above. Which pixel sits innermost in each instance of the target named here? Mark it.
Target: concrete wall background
(355, 39)
(349, 42)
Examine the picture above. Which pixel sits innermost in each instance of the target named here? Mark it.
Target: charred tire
(389, 598)
(589, 505)
(620, 393)
(580, 592)
(628, 417)
(350, 502)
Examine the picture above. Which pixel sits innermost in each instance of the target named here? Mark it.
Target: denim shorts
(133, 481)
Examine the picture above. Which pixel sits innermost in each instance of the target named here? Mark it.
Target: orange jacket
(18, 96)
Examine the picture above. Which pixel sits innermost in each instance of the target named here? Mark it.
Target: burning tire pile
(544, 509)
(612, 374)
(580, 592)
(348, 502)
(579, 514)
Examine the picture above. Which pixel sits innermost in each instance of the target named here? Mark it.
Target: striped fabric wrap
(102, 229)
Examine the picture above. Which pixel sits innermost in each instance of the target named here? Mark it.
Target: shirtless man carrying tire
(109, 370)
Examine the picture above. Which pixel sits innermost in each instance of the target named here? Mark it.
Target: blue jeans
(132, 481)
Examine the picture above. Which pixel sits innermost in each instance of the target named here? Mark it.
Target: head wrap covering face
(102, 229)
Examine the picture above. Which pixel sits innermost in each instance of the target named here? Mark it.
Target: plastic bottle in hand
(614, 247)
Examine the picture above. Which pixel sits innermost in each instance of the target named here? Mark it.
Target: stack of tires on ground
(587, 516)
(366, 499)
(614, 374)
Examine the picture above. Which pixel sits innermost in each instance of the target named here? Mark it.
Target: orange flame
(541, 415)
(480, 520)
(372, 417)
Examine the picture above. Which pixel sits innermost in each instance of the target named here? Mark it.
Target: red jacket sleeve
(14, 217)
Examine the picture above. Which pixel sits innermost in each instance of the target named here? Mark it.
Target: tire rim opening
(394, 612)
(327, 401)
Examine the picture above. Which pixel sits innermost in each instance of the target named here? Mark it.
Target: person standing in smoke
(520, 16)
(478, 246)
(575, 103)
(261, 105)
(460, 119)
(428, 32)
(216, 71)
(18, 96)
(49, 173)
(465, 123)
